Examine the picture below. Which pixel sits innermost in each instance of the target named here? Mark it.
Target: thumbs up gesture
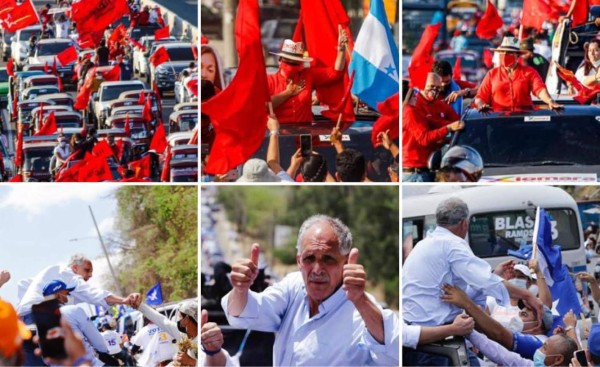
(211, 336)
(245, 271)
(354, 277)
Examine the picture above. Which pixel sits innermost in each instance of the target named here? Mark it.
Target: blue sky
(37, 223)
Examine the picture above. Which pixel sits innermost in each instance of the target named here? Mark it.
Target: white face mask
(515, 324)
(520, 283)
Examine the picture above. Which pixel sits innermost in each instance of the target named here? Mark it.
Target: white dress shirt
(496, 352)
(336, 336)
(83, 292)
(410, 335)
(92, 339)
(442, 258)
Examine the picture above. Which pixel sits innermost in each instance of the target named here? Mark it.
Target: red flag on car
(10, 67)
(97, 15)
(159, 56)
(95, 169)
(390, 115)
(19, 148)
(194, 139)
(141, 167)
(147, 114)
(136, 43)
(165, 174)
(17, 178)
(159, 140)
(117, 35)
(161, 33)
(49, 126)
(535, 13)
(54, 67)
(239, 113)
(90, 39)
(334, 112)
(421, 61)
(192, 85)
(584, 94)
(127, 126)
(67, 56)
(102, 149)
(21, 16)
(113, 74)
(580, 12)
(456, 71)
(488, 25)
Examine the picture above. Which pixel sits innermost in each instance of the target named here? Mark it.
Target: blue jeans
(28, 346)
(418, 177)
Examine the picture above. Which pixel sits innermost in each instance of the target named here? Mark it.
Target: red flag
(127, 125)
(17, 178)
(580, 12)
(6, 6)
(102, 149)
(421, 61)
(19, 148)
(535, 12)
(113, 74)
(390, 115)
(161, 33)
(156, 92)
(488, 25)
(141, 167)
(203, 39)
(136, 43)
(67, 56)
(60, 84)
(243, 100)
(334, 112)
(10, 67)
(159, 140)
(21, 16)
(83, 97)
(142, 98)
(320, 22)
(49, 126)
(584, 94)
(96, 169)
(54, 68)
(487, 58)
(147, 115)
(117, 36)
(46, 68)
(90, 39)
(97, 15)
(192, 85)
(165, 175)
(194, 138)
(159, 56)
(456, 71)
(195, 51)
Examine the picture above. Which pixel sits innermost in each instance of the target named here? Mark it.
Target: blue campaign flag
(154, 296)
(375, 59)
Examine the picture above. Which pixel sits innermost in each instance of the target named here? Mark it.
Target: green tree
(158, 226)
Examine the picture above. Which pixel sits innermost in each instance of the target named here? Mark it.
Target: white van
(501, 219)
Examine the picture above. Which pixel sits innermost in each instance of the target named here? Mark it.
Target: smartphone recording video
(47, 320)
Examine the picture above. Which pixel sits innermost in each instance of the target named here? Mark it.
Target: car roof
(55, 40)
(122, 82)
(39, 144)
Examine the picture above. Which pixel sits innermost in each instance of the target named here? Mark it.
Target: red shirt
(504, 93)
(423, 129)
(298, 108)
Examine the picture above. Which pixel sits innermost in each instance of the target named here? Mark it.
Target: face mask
(538, 359)
(534, 289)
(290, 70)
(520, 283)
(508, 60)
(180, 327)
(515, 324)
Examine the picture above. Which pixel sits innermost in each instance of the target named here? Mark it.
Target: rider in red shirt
(509, 86)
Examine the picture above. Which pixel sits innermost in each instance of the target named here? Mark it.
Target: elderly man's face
(84, 270)
(320, 261)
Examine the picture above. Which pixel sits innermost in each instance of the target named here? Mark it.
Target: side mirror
(435, 160)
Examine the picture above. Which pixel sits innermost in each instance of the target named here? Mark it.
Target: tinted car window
(493, 234)
(48, 49)
(180, 54)
(3, 76)
(113, 92)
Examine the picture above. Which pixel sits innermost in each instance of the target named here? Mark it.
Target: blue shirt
(526, 345)
(458, 104)
(336, 336)
(92, 338)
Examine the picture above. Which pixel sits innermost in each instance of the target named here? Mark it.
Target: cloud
(106, 227)
(35, 200)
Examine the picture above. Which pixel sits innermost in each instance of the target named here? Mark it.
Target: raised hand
(245, 271)
(354, 277)
(4, 277)
(211, 336)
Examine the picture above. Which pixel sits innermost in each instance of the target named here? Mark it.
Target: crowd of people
(91, 340)
(503, 316)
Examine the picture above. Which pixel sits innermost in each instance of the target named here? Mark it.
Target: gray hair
(451, 212)
(78, 259)
(341, 231)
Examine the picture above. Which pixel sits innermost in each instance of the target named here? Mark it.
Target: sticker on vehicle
(345, 137)
(536, 118)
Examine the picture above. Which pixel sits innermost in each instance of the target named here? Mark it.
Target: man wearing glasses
(426, 122)
(291, 86)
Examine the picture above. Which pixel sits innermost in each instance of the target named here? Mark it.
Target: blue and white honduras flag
(154, 295)
(375, 58)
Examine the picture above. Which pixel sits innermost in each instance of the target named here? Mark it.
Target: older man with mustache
(321, 315)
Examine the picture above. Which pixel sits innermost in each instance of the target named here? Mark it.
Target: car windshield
(187, 124)
(48, 49)
(113, 92)
(515, 141)
(26, 33)
(493, 234)
(37, 160)
(285, 30)
(41, 92)
(69, 122)
(3, 76)
(180, 53)
(187, 175)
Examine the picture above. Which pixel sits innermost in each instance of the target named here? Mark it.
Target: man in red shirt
(291, 86)
(509, 86)
(426, 121)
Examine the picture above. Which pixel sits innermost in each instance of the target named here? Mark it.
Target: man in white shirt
(322, 314)
(155, 344)
(113, 342)
(444, 257)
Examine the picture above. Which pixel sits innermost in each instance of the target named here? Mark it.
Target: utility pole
(230, 56)
(112, 271)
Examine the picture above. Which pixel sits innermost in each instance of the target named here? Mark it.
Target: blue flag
(375, 59)
(154, 296)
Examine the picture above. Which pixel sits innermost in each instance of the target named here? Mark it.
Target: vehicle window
(180, 53)
(25, 34)
(516, 142)
(189, 175)
(47, 49)
(37, 159)
(493, 234)
(113, 92)
(285, 30)
(188, 124)
(3, 76)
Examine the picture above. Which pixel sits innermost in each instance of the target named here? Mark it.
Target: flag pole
(112, 271)
(536, 228)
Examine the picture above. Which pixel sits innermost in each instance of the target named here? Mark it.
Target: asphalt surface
(185, 9)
